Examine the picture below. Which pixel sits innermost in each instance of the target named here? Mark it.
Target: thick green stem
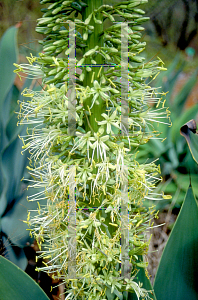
(94, 39)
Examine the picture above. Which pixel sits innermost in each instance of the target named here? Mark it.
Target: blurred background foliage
(27, 12)
(174, 22)
(170, 149)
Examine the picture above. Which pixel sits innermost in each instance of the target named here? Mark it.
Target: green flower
(99, 146)
(109, 122)
(95, 168)
(98, 91)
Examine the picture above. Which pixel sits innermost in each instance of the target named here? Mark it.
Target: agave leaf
(16, 284)
(177, 273)
(14, 254)
(13, 166)
(11, 124)
(188, 130)
(10, 103)
(12, 223)
(188, 114)
(182, 181)
(8, 56)
(12, 130)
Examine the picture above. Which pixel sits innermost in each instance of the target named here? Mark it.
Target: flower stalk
(92, 241)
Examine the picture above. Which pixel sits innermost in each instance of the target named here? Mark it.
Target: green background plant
(14, 283)
(13, 193)
(170, 149)
(177, 272)
(26, 12)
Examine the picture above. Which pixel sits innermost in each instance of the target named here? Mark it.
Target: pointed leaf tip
(189, 131)
(190, 125)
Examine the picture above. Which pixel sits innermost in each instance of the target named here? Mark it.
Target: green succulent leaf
(13, 166)
(176, 276)
(16, 284)
(182, 181)
(14, 253)
(188, 130)
(8, 56)
(14, 223)
(188, 114)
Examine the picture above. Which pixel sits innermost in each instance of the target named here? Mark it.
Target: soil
(160, 233)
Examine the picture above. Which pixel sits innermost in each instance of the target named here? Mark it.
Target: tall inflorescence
(85, 127)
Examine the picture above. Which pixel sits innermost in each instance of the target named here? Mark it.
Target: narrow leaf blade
(177, 273)
(8, 56)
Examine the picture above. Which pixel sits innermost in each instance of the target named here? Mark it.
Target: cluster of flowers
(91, 168)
